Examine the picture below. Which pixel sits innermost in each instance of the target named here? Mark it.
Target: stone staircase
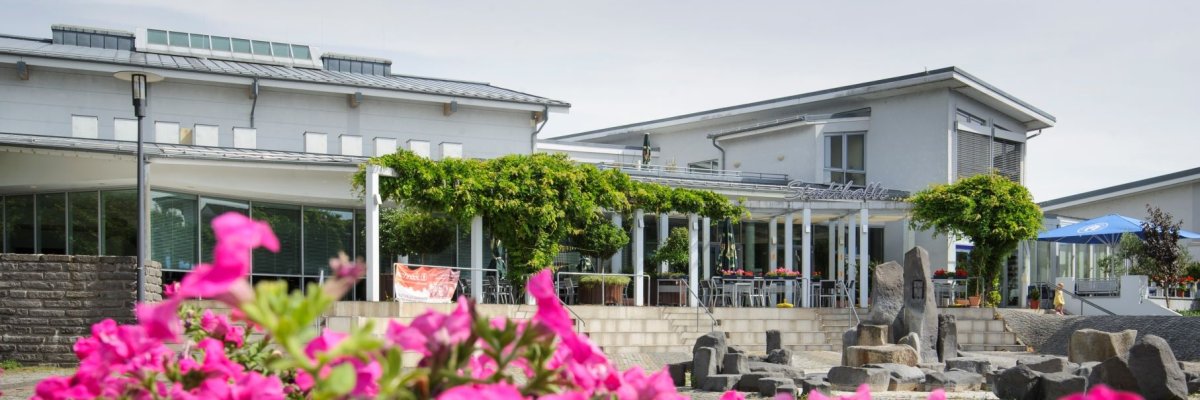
(979, 330)
(800, 328)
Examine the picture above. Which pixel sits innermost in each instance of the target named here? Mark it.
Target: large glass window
(845, 157)
(241, 46)
(156, 36)
(209, 209)
(119, 225)
(220, 43)
(326, 232)
(173, 230)
(19, 224)
(84, 220)
(262, 48)
(179, 39)
(52, 223)
(285, 221)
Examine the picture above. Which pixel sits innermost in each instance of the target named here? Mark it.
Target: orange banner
(425, 285)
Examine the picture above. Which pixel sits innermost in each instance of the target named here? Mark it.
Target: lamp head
(139, 85)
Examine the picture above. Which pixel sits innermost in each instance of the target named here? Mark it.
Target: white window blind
(245, 138)
(384, 146)
(206, 135)
(166, 132)
(85, 126)
(316, 143)
(125, 129)
(351, 145)
(420, 147)
(977, 155)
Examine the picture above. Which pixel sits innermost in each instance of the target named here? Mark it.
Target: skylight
(229, 48)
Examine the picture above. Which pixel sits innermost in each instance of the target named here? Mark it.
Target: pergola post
(789, 253)
(663, 232)
(616, 265)
(706, 247)
(773, 246)
(693, 261)
(639, 256)
(373, 202)
(864, 279)
(806, 256)
(477, 258)
(832, 265)
(852, 274)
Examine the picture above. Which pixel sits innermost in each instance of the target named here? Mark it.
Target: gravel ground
(1051, 334)
(18, 383)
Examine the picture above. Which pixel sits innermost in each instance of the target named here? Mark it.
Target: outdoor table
(739, 285)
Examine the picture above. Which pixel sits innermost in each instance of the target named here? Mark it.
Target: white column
(748, 240)
(1023, 277)
(831, 267)
(663, 231)
(373, 203)
(706, 246)
(789, 254)
(639, 254)
(806, 257)
(617, 257)
(693, 260)
(773, 246)
(841, 251)
(864, 259)
(852, 263)
(477, 258)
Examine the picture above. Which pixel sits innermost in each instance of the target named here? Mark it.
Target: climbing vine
(532, 202)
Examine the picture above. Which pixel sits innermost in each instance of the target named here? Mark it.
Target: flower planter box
(592, 294)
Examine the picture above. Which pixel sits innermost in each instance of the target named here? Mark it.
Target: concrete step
(639, 339)
(989, 338)
(646, 349)
(1016, 348)
(748, 338)
(979, 325)
(762, 349)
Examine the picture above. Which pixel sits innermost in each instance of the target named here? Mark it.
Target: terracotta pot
(1035, 304)
(974, 300)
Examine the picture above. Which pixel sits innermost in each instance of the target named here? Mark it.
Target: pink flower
(216, 364)
(160, 320)
(433, 331)
(218, 326)
(170, 289)
(367, 374)
(237, 235)
(498, 391)
(639, 386)
(863, 393)
(1102, 392)
(733, 395)
(937, 394)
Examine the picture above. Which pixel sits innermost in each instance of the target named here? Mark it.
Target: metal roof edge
(1004, 94)
(1122, 187)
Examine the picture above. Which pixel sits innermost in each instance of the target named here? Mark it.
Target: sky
(1121, 77)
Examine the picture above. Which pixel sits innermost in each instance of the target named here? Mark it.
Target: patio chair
(718, 293)
(827, 292)
(758, 293)
(566, 290)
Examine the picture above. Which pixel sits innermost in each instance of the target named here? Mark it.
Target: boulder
(773, 340)
(857, 356)
(719, 382)
(776, 369)
(1115, 373)
(953, 381)
(887, 296)
(1018, 383)
(849, 338)
(731, 349)
(714, 340)
(780, 356)
(873, 335)
(734, 364)
(1085, 369)
(912, 340)
(920, 315)
(1193, 382)
(980, 366)
(850, 378)
(679, 372)
(816, 385)
(1045, 364)
(1061, 384)
(1158, 373)
(947, 340)
(704, 364)
(1093, 345)
(767, 387)
(903, 377)
(749, 382)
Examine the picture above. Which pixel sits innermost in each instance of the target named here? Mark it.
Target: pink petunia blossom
(937, 394)
(216, 364)
(237, 235)
(367, 373)
(432, 331)
(1103, 392)
(636, 385)
(498, 391)
(733, 395)
(160, 320)
(219, 327)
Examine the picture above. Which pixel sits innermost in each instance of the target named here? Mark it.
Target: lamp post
(139, 85)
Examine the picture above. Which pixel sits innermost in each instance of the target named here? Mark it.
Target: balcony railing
(667, 171)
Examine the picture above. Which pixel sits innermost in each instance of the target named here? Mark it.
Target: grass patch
(1190, 313)
(10, 364)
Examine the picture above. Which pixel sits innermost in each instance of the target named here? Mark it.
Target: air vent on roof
(92, 37)
(356, 64)
(227, 48)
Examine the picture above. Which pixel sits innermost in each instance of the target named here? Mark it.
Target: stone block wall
(49, 301)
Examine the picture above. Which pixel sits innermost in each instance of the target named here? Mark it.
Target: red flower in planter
(962, 273)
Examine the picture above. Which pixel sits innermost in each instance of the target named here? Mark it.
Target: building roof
(1174, 178)
(164, 150)
(1032, 116)
(26, 47)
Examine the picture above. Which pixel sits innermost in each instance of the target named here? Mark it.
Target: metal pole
(141, 218)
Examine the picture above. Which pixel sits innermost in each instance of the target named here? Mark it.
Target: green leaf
(341, 380)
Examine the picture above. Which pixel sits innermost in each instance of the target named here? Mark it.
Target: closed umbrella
(645, 149)
(728, 257)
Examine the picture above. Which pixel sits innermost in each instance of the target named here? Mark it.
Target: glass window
(360, 234)
(110, 42)
(845, 157)
(301, 52)
(200, 41)
(52, 223)
(19, 224)
(173, 230)
(119, 222)
(833, 151)
(69, 38)
(285, 221)
(262, 48)
(84, 219)
(179, 39)
(281, 50)
(855, 152)
(154, 36)
(241, 46)
(326, 232)
(209, 209)
(220, 43)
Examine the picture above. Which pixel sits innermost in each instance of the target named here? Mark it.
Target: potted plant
(939, 274)
(816, 275)
(602, 289)
(1035, 298)
(973, 289)
(960, 274)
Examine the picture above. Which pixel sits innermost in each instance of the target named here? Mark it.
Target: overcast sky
(1121, 77)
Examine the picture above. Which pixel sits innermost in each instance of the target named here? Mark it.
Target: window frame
(828, 167)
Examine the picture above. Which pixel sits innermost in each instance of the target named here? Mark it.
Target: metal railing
(700, 173)
(700, 300)
(1108, 287)
(841, 286)
(1086, 301)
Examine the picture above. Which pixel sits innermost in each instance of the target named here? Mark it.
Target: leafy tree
(412, 232)
(995, 213)
(674, 251)
(1162, 256)
(599, 238)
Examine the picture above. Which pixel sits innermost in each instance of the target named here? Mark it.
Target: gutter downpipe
(722, 150)
(254, 104)
(533, 137)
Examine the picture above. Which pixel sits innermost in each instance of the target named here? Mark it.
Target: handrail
(1083, 300)
(577, 317)
(849, 301)
(713, 326)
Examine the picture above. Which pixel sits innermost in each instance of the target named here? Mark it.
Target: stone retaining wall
(49, 301)
(1051, 334)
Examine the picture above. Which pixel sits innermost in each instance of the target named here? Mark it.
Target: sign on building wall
(803, 191)
(425, 285)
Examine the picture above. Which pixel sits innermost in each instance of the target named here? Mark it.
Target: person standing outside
(1059, 301)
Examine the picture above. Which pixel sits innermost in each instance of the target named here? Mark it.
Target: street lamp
(139, 83)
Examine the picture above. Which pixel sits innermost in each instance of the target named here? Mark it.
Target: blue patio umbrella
(1104, 230)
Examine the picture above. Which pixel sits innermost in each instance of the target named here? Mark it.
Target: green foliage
(1035, 294)
(1112, 265)
(10, 364)
(674, 252)
(599, 237)
(607, 280)
(533, 202)
(995, 213)
(993, 298)
(410, 232)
